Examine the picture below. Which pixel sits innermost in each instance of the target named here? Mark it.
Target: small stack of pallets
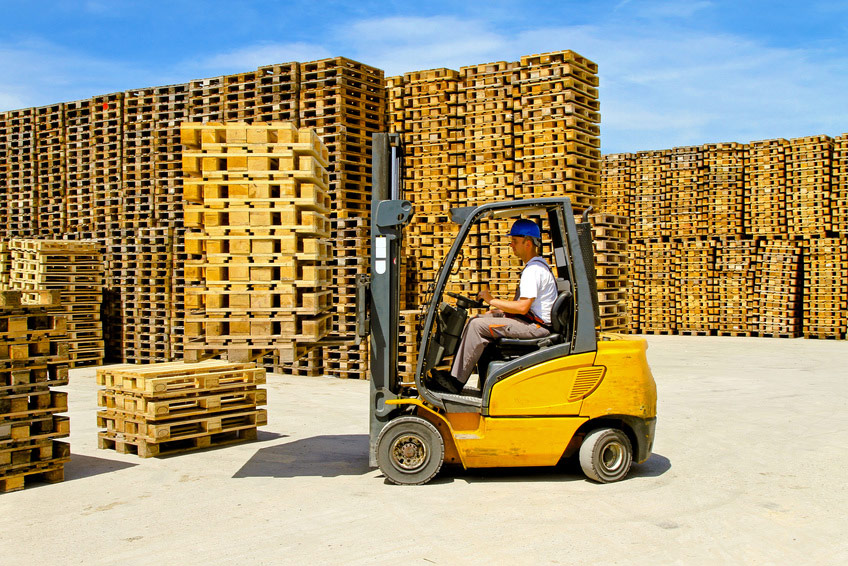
(650, 219)
(107, 120)
(75, 269)
(685, 193)
(79, 202)
(19, 173)
(50, 169)
(257, 277)
(655, 287)
(839, 184)
(277, 89)
(616, 192)
(723, 192)
(696, 279)
(157, 409)
(777, 289)
(734, 289)
(30, 366)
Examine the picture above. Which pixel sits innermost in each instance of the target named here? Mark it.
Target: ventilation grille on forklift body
(586, 381)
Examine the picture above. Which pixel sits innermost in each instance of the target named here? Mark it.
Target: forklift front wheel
(410, 451)
(606, 455)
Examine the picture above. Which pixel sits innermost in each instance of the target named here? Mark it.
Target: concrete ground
(749, 467)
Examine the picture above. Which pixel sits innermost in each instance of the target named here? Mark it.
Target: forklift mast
(379, 299)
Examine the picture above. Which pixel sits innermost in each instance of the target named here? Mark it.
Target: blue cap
(526, 228)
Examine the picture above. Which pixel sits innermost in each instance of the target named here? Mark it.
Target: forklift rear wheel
(606, 455)
(410, 451)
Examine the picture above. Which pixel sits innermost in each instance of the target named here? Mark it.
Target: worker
(528, 315)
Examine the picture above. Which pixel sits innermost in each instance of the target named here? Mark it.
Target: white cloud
(253, 56)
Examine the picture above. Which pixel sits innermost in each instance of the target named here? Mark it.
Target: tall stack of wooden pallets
(724, 190)
(734, 287)
(656, 287)
(139, 160)
(75, 270)
(277, 88)
(50, 169)
(765, 188)
(30, 367)
(79, 202)
(172, 106)
(650, 207)
(344, 102)
(107, 119)
(695, 301)
(257, 272)
(825, 308)
(777, 289)
(610, 236)
(156, 409)
(808, 169)
(839, 184)
(557, 129)
(433, 144)
(685, 193)
(616, 191)
(20, 173)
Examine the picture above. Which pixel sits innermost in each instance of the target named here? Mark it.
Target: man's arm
(521, 306)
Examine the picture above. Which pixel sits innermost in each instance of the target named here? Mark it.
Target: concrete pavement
(749, 467)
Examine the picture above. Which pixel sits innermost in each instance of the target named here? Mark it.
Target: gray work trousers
(481, 331)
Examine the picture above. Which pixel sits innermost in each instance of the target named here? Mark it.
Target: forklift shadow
(326, 456)
(566, 471)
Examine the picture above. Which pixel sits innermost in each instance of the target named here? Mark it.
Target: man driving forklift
(528, 315)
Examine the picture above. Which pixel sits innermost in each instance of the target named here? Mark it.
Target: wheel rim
(409, 453)
(612, 456)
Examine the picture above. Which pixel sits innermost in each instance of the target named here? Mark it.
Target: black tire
(410, 451)
(606, 455)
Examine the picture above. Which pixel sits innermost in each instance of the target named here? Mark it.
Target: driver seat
(561, 313)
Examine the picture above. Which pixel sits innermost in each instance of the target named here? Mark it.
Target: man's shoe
(447, 382)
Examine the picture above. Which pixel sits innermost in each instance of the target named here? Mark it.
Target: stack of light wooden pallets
(157, 409)
(75, 269)
(50, 169)
(808, 176)
(610, 236)
(825, 308)
(257, 278)
(765, 188)
(30, 366)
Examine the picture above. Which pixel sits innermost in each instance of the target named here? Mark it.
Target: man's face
(519, 245)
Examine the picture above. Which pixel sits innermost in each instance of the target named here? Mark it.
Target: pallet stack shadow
(75, 269)
(257, 277)
(31, 365)
(736, 239)
(163, 408)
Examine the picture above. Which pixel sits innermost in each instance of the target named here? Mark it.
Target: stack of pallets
(839, 184)
(5, 265)
(257, 275)
(765, 188)
(696, 312)
(239, 94)
(656, 288)
(344, 102)
(4, 168)
(777, 289)
(684, 191)
(488, 172)
(156, 409)
(616, 192)
(734, 286)
(394, 103)
(50, 169)
(107, 119)
(171, 108)
(610, 238)
(825, 288)
(139, 159)
(650, 216)
(408, 338)
(20, 173)
(808, 170)
(724, 188)
(206, 99)
(277, 89)
(179, 257)
(29, 368)
(557, 133)
(79, 203)
(75, 269)
(433, 134)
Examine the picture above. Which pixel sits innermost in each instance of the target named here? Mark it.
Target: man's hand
(484, 295)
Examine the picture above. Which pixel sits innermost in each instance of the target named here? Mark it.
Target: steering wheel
(464, 302)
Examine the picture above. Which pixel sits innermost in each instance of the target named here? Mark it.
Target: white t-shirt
(537, 282)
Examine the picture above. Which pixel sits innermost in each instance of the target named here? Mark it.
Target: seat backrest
(561, 312)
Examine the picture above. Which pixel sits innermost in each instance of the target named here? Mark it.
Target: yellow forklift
(537, 401)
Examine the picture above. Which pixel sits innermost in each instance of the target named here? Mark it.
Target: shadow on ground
(324, 456)
(86, 466)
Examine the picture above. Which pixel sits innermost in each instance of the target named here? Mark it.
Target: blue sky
(672, 73)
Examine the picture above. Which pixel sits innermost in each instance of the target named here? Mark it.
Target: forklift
(538, 401)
